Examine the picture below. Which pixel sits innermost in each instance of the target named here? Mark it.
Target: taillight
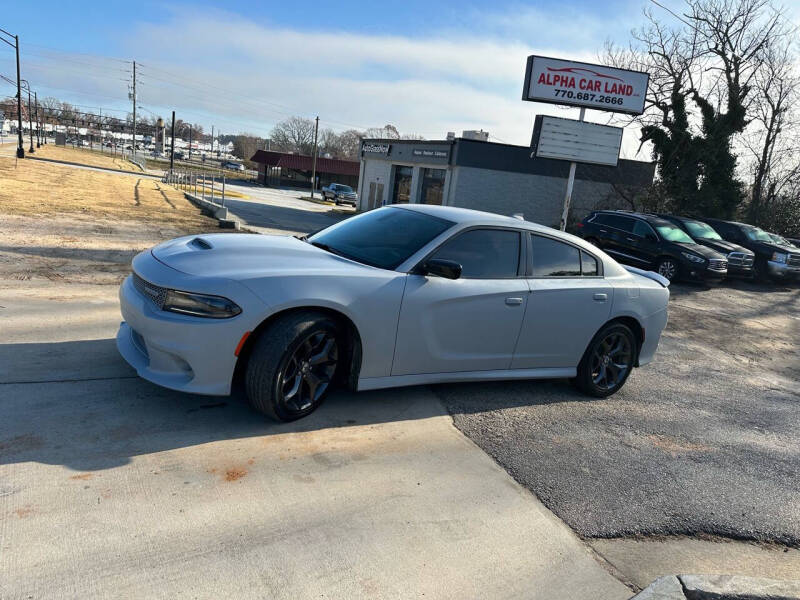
(580, 225)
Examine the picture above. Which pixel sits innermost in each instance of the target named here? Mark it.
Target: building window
(402, 185)
(432, 186)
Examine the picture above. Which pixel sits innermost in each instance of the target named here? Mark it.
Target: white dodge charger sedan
(401, 295)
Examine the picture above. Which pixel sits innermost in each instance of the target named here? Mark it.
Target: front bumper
(181, 352)
(782, 270)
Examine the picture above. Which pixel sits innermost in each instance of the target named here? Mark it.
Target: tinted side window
(619, 222)
(641, 228)
(600, 219)
(554, 259)
(484, 253)
(588, 264)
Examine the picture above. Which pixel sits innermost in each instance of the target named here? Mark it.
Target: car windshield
(383, 238)
(702, 231)
(342, 188)
(674, 234)
(758, 235)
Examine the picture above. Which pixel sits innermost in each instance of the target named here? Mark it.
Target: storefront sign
(377, 148)
(429, 153)
(577, 141)
(598, 87)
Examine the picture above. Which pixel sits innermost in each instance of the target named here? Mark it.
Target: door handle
(630, 239)
(600, 297)
(513, 301)
(604, 231)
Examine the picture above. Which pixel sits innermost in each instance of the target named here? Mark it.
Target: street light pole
(20, 148)
(30, 121)
(314, 160)
(172, 145)
(38, 127)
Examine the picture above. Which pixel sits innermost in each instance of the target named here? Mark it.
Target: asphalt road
(704, 440)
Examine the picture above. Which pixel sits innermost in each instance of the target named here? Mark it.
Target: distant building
(287, 169)
(498, 178)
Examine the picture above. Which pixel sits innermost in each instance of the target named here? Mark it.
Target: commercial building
(482, 175)
(294, 170)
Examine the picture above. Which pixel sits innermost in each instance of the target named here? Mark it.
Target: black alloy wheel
(293, 365)
(612, 360)
(308, 371)
(608, 361)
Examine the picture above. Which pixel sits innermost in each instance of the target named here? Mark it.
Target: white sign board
(577, 141)
(583, 84)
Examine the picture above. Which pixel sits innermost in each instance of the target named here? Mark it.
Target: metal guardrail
(198, 183)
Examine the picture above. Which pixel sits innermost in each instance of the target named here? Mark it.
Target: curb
(215, 210)
(719, 587)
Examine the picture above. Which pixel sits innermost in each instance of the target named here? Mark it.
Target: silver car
(402, 295)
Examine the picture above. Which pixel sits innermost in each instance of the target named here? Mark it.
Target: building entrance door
(401, 192)
(432, 186)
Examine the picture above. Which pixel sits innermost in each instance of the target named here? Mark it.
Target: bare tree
(295, 134)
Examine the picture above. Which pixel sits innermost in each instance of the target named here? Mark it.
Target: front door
(466, 324)
(569, 302)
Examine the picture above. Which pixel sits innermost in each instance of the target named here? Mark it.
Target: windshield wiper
(328, 248)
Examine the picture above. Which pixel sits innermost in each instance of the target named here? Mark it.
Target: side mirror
(449, 269)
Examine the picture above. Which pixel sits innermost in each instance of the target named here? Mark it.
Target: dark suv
(647, 241)
(740, 259)
(773, 260)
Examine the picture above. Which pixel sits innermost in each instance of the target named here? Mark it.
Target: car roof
(650, 218)
(470, 216)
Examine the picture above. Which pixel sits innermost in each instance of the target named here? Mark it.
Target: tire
(596, 377)
(282, 380)
(667, 264)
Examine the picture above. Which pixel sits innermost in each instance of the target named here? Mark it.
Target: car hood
(703, 251)
(245, 256)
(723, 246)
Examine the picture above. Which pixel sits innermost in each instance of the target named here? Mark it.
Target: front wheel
(293, 365)
(668, 267)
(607, 362)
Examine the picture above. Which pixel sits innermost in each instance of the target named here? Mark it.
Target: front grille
(718, 264)
(740, 259)
(793, 260)
(155, 293)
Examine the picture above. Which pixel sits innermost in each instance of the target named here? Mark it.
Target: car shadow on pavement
(78, 404)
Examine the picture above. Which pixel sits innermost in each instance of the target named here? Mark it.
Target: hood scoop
(201, 244)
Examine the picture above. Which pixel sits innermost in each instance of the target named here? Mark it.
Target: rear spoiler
(649, 274)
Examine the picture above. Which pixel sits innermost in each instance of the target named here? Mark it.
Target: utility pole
(190, 143)
(212, 141)
(133, 96)
(38, 127)
(20, 149)
(30, 121)
(314, 160)
(172, 145)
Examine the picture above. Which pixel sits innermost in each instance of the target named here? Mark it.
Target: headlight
(779, 257)
(693, 257)
(200, 305)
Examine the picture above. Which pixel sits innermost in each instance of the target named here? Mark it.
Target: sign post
(570, 184)
(584, 85)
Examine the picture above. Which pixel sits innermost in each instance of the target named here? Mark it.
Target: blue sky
(427, 67)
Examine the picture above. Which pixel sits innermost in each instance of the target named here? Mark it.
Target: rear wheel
(608, 361)
(293, 365)
(668, 267)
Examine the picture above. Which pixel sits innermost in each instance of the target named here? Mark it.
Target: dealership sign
(572, 83)
(578, 141)
(377, 148)
(430, 153)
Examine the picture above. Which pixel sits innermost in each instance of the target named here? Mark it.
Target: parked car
(773, 260)
(178, 155)
(779, 239)
(401, 295)
(229, 164)
(740, 259)
(650, 242)
(339, 193)
(795, 241)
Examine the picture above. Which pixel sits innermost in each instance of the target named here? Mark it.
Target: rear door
(569, 302)
(466, 324)
(644, 242)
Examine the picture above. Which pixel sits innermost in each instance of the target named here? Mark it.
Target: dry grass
(74, 225)
(84, 156)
